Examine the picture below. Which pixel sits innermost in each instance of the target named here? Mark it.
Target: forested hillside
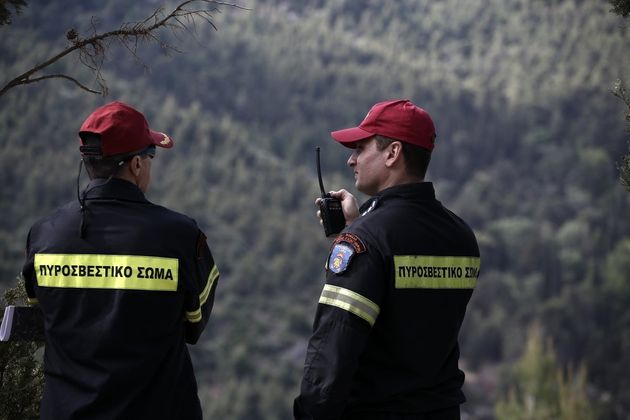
(528, 141)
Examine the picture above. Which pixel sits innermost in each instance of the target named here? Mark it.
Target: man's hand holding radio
(349, 205)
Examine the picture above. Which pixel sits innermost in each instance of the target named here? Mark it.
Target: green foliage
(621, 7)
(624, 170)
(540, 389)
(527, 141)
(616, 269)
(5, 13)
(619, 90)
(21, 370)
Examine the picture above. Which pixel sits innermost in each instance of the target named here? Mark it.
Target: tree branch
(63, 76)
(92, 49)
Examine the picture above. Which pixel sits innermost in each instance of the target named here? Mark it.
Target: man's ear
(394, 153)
(135, 165)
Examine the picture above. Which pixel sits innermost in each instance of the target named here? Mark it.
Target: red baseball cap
(123, 129)
(398, 119)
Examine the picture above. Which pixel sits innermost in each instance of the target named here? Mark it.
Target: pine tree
(540, 389)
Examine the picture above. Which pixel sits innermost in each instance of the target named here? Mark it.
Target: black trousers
(451, 413)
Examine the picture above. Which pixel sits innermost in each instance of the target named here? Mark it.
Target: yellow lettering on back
(100, 271)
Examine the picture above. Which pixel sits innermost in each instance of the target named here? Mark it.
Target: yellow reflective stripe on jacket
(195, 316)
(435, 272)
(350, 301)
(32, 301)
(214, 275)
(96, 271)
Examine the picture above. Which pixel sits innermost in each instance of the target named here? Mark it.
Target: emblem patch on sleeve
(340, 258)
(344, 248)
(353, 240)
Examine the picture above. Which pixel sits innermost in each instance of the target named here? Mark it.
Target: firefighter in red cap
(123, 285)
(398, 280)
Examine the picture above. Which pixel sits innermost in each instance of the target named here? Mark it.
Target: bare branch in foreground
(92, 50)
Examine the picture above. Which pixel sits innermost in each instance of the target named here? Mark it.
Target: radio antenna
(319, 174)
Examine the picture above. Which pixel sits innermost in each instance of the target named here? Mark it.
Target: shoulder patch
(201, 244)
(340, 258)
(351, 239)
(343, 249)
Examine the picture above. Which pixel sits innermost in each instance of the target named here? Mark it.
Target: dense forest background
(529, 137)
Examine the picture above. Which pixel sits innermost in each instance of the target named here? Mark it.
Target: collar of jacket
(415, 191)
(115, 188)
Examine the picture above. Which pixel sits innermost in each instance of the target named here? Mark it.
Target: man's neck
(398, 178)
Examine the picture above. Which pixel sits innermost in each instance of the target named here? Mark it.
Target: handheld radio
(329, 207)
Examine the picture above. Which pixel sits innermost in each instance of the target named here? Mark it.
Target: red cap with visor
(122, 129)
(398, 119)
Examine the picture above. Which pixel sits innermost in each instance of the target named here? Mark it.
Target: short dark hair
(416, 158)
(102, 168)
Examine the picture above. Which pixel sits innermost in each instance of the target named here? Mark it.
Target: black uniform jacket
(119, 306)
(385, 332)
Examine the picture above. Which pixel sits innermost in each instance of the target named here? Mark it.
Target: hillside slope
(528, 139)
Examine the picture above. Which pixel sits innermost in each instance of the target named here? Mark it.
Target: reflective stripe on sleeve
(195, 316)
(102, 271)
(32, 301)
(350, 301)
(435, 272)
